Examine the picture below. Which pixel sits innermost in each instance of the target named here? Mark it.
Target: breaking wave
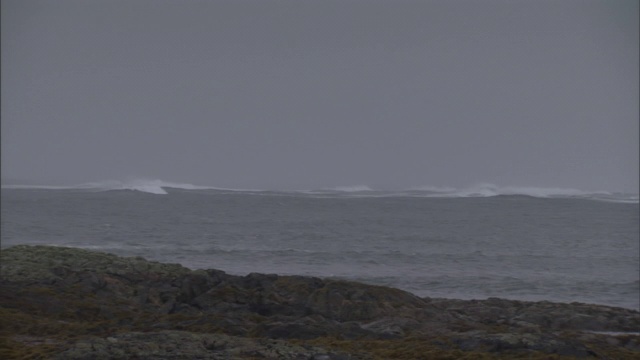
(437, 189)
(352, 188)
(490, 190)
(142, 185)
(159, 187)
(484, 190)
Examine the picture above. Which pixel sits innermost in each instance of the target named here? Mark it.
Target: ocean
(487, 241)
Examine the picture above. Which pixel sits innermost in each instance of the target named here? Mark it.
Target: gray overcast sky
(309, 94)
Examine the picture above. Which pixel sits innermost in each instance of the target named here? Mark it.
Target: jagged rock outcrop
(74, 303)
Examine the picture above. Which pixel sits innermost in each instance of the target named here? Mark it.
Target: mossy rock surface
(42, 263)
(69, 303)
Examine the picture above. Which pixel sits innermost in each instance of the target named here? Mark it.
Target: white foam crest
(545, 192)
(623, 198)
(351, 188)
(436, 189)
(488, 190)
(142, 185)
(152, 186)
(479, 190)
(494, 190)
(155, 186)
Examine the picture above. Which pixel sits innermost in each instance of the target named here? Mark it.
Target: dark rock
(546, 343)
(82, 304)
(185, 345)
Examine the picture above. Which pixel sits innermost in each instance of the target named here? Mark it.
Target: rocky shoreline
(67, 303)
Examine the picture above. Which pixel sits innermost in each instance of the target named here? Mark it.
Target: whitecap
(490, 190)
(350, 188)
(142, 185)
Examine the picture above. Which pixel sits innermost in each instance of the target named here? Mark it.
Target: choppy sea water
(516, 243)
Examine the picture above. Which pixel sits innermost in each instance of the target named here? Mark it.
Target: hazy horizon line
(347, 187)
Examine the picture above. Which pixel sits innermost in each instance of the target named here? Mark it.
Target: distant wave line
(159, 187)
(143, 185)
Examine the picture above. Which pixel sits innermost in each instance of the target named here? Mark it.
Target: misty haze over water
(292, 95)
